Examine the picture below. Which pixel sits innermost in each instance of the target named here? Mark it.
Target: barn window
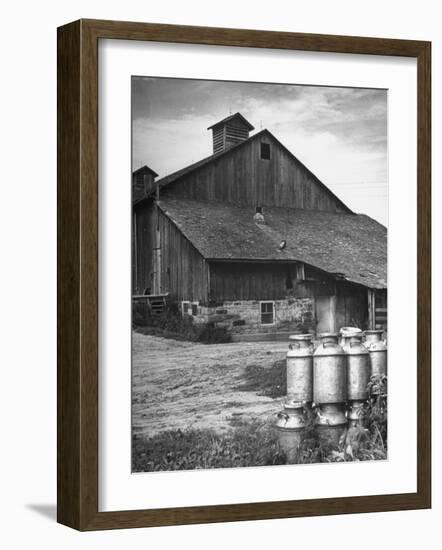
(265, 151)
(267, 313)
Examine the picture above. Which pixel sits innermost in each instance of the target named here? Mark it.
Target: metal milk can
(300, 369)
(329, 371)
(378, 352)
(291, 424)
(346, 333)
(331, 422)
(356, 413)
(358, 368)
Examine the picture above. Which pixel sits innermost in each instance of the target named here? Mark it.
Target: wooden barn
(251, 239)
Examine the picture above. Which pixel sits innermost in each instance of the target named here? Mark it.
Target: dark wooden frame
(78, 267)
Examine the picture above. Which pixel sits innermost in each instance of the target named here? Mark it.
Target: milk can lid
(350, 330)
(293, 405)
(301, 337)
(328, 335)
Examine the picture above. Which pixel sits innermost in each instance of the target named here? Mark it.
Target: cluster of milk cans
(330, 383)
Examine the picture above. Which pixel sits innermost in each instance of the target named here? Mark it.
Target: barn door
(325, 314)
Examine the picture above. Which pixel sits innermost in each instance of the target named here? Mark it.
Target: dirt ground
(186, 385)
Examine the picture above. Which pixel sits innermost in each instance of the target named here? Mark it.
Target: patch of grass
(356, 444)
(248, 444)
(251, 444)
(238, 404)
(269, 382)
(255, 443)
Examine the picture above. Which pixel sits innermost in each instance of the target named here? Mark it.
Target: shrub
(141, 313)
(213, 335)
(358, 443)
(171, 324)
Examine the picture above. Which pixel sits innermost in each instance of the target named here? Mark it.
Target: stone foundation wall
(244, 317)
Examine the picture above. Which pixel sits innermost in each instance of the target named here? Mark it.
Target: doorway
(325, 314)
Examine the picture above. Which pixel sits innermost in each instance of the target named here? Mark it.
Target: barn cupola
(229, 132)
(143, 182)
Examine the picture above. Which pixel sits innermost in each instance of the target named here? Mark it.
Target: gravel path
(186, 385)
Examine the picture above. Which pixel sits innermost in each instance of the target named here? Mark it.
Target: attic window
(265, 151)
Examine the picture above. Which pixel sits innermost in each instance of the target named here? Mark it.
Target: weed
(250, 444)
(269, 382)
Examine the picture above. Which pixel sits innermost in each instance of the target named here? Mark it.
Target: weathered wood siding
(242, 177)
(380, 309)
(252, 281)
(351, 299)
(142, 247)
(183, 272)
(143, 184)
(219, 138)
(267, 281)
(351, 306)
(235, 133)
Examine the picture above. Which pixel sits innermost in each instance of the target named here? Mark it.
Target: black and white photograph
(259, 274)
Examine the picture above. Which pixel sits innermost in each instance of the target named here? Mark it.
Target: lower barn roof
(353, 246)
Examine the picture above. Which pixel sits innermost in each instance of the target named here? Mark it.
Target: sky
(340, 134)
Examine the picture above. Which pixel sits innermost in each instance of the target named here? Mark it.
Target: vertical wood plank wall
(250, 281)
(351, 305)
(183, 271)
(144, 241)
(143, 184)
(242, 177)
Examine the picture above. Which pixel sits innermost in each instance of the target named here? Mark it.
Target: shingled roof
(237, 116)
(353, 246)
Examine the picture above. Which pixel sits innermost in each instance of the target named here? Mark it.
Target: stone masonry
(244, 317)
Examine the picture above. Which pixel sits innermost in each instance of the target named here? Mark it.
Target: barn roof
(237, 116)
(145, 168)
(350, 246)
(171, 178)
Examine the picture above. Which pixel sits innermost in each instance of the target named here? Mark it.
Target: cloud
(339, 133)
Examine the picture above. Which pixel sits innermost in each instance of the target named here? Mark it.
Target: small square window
(265, 151)
(267, 313)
